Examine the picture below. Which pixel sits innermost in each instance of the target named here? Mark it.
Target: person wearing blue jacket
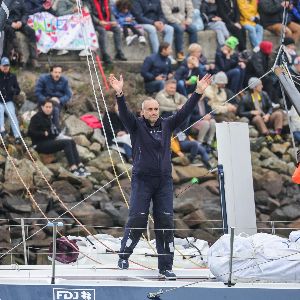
(149, 14)
(152, 173)
(56, 87)
(123, 15)
(156, 69)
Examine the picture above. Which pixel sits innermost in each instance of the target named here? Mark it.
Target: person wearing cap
(9, 88)
(17, 21)
(290, 53)
(227, 60)
(229, 12)
(217, 94)
(258, 65)
(250, 20)
(271, 12)
(56, 87)
(257, 107)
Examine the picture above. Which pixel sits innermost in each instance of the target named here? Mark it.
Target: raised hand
(116, 84)
(203, 83)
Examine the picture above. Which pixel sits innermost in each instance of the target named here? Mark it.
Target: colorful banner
(69, 32)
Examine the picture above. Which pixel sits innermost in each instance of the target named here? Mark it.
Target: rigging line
(64, 213)
(47, 182)
(79, 7)
(214, 110)
(34, 201)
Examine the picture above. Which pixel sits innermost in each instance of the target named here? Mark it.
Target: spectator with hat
(217, 96)
(9, 88)
(227, 60)
(289, 48)
(271, 12)
(250, 21)
(257, 107)
(258, 65)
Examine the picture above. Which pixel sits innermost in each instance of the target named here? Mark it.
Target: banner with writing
(70, 32)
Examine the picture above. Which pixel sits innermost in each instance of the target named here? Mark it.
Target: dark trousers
(52, 146)
(194, 148)
(132, 28)
(103, 39)
(235, 79)
(10, 36)
(160, 191)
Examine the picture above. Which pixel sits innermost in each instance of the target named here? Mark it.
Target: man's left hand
(266, 118)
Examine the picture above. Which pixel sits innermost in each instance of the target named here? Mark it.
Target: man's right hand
(46, 133)
(116, 84)
(55, 100)
(159, 26)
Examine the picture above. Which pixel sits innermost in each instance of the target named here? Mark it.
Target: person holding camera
(156, 69)
(250, 20)
(179, 14)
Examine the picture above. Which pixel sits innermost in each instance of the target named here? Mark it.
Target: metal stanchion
(222, 198)
(229, 283)
(54, 225)
(24, 241)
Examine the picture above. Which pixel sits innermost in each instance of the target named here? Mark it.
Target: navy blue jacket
(154, 65)
(224, 64)
(46, 87)
(151, 144)
(9, 86)
(34, 6)
(148, 11)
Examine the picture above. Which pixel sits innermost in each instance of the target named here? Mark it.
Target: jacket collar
(157, 123)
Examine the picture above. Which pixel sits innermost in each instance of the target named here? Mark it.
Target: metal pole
(53, 253)
(24, 241)
(222, 198)
(229, 283)
(54, 225)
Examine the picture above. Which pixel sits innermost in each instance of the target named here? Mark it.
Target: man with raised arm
(151, 174)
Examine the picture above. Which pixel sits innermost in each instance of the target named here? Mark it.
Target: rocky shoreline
(277, 199)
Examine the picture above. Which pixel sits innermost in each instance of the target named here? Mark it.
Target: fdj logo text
(73, 294)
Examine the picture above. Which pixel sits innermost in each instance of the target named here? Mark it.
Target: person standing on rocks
(151, 174)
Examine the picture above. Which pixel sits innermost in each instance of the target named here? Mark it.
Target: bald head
(150, 110)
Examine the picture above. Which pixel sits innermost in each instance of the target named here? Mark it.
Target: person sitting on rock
(206, 128)
(9, 88)
(182, 143)
(56, 87)
(36, 6)
(227, 60)
(217, 96)
(17, 22)
(156, 69)
(186, 76)
(123, 15)
(169, 100)
(119, 130)
(257, 107)
(149, 14)
(179, 15)
(44, 135)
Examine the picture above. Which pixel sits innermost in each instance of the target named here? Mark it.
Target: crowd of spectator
(169, 73)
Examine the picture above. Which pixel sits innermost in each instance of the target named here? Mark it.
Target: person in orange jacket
(296, 175)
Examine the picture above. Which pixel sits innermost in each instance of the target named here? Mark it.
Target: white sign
(73, 294)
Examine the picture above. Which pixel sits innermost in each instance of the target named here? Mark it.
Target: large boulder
(75, 126)
(66, 191)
